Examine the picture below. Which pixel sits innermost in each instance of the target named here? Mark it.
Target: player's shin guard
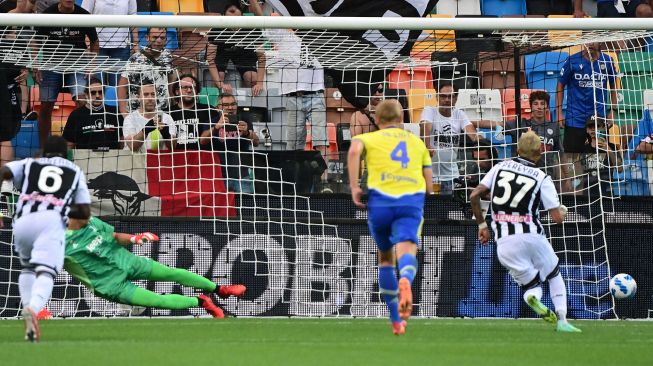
(389, 287)
(42, 288)
(407, 267)
(25, 283)
(558, 292)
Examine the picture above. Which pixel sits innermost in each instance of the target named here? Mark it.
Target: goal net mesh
(262, 126)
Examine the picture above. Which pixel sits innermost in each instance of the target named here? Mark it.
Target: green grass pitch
(261, 341)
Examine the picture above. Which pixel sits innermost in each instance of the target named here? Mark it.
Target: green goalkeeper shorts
(118, 286)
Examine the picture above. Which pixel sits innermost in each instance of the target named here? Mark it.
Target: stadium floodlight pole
(334, 23)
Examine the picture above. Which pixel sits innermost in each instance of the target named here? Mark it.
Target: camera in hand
(231, 122)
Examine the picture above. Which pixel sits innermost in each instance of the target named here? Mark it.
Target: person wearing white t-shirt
(114, 42)
(147, 127)
(442, 129)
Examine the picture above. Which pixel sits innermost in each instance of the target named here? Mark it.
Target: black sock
(200, 301)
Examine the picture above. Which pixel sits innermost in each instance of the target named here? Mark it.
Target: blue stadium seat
(503, 7)
(26, 143)
(110, 96)
(542, 72)
(173, 39)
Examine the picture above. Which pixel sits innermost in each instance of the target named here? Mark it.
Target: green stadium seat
(629, 106)
(209, 95)
(637, 82)
(636, 62)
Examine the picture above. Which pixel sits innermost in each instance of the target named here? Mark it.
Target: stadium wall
(458, 277)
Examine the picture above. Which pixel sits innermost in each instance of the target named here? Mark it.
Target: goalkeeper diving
(97, 257)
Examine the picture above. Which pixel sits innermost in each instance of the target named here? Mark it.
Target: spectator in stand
(442, 129)
(549, 7)
(599, 158)
(193, 121)
(94, 125)
(615, 9)
(548, 131)
(362, 121)
(236, 137)
(587, 76)
(245, 60)
(114, 42)
(148, 127)
(152, 65)
(51, 82)
(33, 6)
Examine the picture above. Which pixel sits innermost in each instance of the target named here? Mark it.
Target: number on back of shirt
(512, 189)
(50, 179)
(400, 154)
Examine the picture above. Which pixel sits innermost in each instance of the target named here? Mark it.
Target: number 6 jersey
(516, 189)
(48, 184)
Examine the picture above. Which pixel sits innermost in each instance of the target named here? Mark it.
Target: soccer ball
(623, 286)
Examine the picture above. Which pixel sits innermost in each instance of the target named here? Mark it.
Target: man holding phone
(235, 139)
(147, 127)
(599, 158)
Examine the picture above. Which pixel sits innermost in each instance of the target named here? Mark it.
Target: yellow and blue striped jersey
(395, 160)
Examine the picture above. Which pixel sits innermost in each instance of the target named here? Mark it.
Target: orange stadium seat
(178, 6)
(418, 99)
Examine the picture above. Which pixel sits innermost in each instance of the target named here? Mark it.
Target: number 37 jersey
(517, 187)
(48, 184)
(395, 161)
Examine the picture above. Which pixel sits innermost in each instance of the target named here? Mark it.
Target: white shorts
(527, 256)
(39, 239)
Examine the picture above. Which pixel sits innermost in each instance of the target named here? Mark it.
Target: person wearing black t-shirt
(599, 159)
(51, 82)
(235, 138)
(194, 121)
(94, 126)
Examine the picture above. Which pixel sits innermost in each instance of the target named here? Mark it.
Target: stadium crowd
(159, 102)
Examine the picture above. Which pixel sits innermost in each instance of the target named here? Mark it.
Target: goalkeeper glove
(143, 238)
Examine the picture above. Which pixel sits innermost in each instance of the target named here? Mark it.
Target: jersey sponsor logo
(94, 244)
(514, 219)
(38, 197)
(397, 178)
(596, 79)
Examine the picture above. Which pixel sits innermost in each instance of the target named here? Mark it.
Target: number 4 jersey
(395, 161)
(48, 184)
(517, 189)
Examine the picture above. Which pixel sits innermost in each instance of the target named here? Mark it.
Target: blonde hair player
(517, 188)
(399, 167)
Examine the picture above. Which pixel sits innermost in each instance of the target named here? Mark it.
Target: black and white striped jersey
(517, 187)
(48, 184)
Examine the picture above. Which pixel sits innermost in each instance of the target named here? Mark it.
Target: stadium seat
(472, 42)
(503, 7)
(333, 141)
(636, 62)
(435, 41)
(630, 106)
(26, 142)
(510, 104)
(110, 96)
(458, 7)
(500, 73)
(418, 99)
(407, 78)
(542, 71)
(617, 69)
(339, 110)
(453, 68)
(177, 6)
(173, 42)
(480, 104)
(209, 95)
(256, 106)
(271, 135)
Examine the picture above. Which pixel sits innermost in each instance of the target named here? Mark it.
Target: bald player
(517, 188)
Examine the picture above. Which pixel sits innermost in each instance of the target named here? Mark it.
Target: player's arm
(551, 203)
(428, 178)
(475, 198)
(138, 239)
(353, 166)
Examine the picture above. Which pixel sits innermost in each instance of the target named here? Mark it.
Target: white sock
(25, 283)
(558, 293)
(537, 291)
(41, 292)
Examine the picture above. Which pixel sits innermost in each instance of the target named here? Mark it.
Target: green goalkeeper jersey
(96, 259)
